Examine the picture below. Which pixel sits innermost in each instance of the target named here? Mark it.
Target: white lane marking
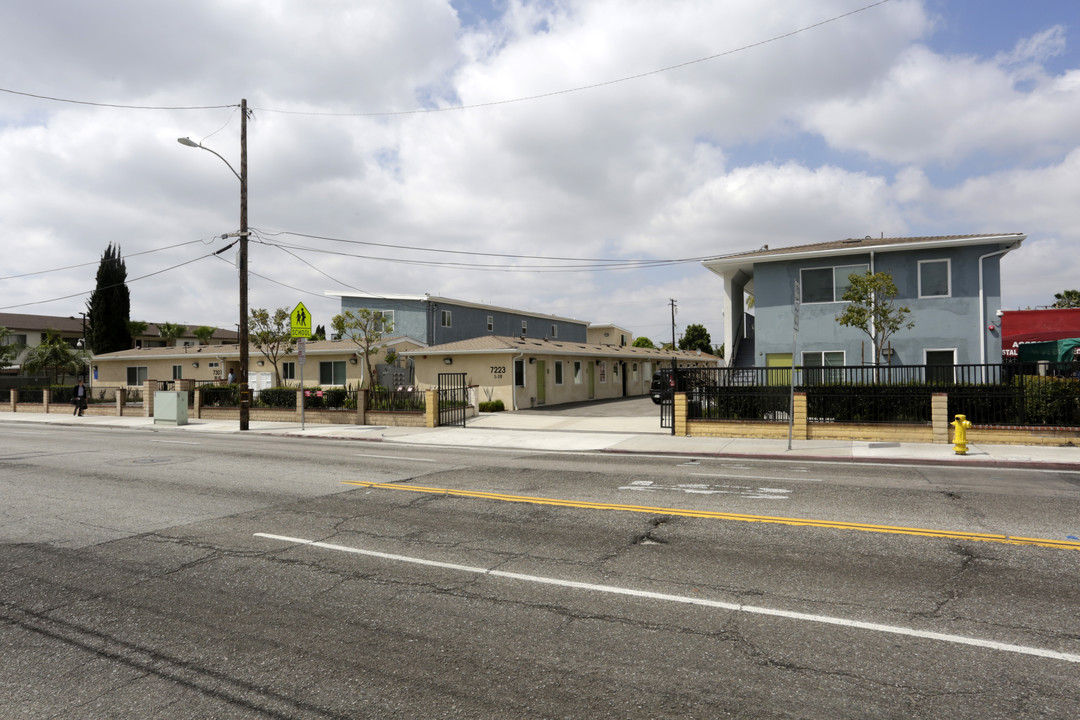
(176, 442)
(750, 609)
(751, 477)
(395, 457)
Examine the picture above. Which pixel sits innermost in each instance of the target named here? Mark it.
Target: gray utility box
(170, 407)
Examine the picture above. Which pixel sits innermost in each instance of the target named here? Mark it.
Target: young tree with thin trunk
(366, 328)
(272, 335)
(54, 357)
(872, 308)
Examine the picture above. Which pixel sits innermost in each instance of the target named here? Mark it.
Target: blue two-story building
(433, 320)
(952, 285)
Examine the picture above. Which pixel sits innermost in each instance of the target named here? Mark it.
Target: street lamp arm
(191, 143)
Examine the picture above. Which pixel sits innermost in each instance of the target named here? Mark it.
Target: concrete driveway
(618, 407)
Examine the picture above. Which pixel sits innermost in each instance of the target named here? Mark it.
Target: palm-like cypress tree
(109, 307)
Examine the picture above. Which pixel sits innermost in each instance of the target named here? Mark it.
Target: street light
(245, 399)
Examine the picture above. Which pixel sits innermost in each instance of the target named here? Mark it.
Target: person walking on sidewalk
(79, 399)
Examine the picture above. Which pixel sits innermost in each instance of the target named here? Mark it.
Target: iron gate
(453, 399)
(667, 379)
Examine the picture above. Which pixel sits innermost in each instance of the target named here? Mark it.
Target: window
(177, 372)
(601, 370)
(446, 319)
(554, 331)
(519, 373)
(524, 327)
(634, 375)
(13, 340)
(934, 279)
(384, 321)
(615, 370)
(828, 284)
(824, 366)
(332, 373)
(558, 372)
(491, 323)
(577, 372)
(136, 375)
(288, 370)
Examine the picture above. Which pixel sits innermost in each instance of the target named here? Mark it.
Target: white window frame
(926, 364)
(446, 319)
(578, 373)
(948, 277)
(333, 364)
(837, 296)
(288, 370)
(519, 371)
(524, 327)
(383, 318)
(491, 323)
(554, 331)
(177, 372)
(601, 370)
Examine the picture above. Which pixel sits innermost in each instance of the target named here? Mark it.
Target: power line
(95, 262)
(421, 111)
(117, 105)
(593, 86)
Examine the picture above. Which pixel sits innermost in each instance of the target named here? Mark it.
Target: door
(590, 370)
(778, 368)
(541, 384)
(939, 366)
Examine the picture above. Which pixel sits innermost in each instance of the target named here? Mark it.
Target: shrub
(279, 397)
(492, 406)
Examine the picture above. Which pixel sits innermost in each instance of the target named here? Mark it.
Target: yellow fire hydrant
(960, 428)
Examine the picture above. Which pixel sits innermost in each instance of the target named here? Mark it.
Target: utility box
(170, 407)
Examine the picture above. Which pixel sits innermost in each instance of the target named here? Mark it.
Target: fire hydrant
(960, 428)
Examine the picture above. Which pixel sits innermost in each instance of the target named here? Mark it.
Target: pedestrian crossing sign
(300, 322)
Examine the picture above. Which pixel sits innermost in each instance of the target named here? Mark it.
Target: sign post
(300, 328)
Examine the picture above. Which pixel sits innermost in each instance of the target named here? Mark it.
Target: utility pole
(674, 304)
(245, 396)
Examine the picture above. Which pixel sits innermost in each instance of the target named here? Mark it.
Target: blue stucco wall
(940, 323)
(422, 320)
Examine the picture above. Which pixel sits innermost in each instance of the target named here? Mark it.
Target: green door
(779, 368)
(541, 385)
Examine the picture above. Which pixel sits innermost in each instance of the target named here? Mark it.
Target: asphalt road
(151, 576)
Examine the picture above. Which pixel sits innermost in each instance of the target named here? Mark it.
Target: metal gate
(668, 377)
(453, 399)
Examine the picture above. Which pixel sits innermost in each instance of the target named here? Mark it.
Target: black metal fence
(1033, 394)
(383, 400)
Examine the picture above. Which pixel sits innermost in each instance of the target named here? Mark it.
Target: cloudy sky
(547, 155)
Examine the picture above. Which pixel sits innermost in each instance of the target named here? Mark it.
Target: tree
(696, 337)
(1067, 299)
(171, 332)
(8, 350)
(319, 333)
(137, 328)
(54, 357)
(272, 335)
(109, 308)
(643, 342)
(873, 310)
(204, 334)
(366, 328)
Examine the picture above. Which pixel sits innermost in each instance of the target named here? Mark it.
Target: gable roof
(747, 260)
(496, 344)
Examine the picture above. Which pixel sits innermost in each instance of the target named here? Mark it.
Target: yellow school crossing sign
(300, 322)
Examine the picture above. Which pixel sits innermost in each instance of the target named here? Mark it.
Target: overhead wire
(96, 262)
(593, 86)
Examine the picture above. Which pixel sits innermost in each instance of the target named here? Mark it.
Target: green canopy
(1049, 350)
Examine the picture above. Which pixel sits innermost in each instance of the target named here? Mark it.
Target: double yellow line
(801, 522)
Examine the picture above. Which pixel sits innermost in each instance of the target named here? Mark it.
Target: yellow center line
(803, 522)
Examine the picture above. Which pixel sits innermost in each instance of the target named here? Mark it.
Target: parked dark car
(663, 385)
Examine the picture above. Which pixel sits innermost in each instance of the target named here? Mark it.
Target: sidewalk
(596, 434)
